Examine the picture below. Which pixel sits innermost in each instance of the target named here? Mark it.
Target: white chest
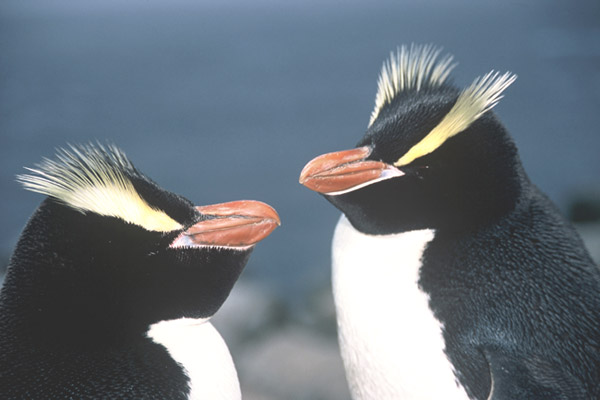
(198, 347)
(391, 343)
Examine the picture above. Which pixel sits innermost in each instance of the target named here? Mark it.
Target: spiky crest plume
(410, 68)
(93, 178)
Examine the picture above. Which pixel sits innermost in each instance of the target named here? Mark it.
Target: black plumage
(520, 304)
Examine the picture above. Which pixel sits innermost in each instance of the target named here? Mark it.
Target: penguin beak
(237, 224)
(345, 171)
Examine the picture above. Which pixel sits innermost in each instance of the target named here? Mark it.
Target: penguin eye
(176, 207)
(474, 101)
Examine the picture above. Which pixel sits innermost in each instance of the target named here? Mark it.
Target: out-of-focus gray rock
(279, 353)
(584, 206)
(318, 314)
(249, 312)
(590, 233)
(584, 211)
(249, 395)
(293, 364)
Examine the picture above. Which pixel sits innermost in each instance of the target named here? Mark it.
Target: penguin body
(102, 275)
(519, 301)
(453, 275)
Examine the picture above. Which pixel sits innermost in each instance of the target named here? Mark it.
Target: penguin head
(433, 156)
(109, 246)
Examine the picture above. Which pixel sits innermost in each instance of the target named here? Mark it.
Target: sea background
(226, 100)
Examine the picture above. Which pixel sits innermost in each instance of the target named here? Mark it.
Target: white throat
(392, 345)
(200, 349)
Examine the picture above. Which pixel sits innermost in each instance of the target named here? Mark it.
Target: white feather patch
(391, 343)
(94, 179)
(200, 349)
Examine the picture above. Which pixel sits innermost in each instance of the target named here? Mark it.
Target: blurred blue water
(227, 100)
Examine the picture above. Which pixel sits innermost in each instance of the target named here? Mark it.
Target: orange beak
(344, 171)
(237, 224)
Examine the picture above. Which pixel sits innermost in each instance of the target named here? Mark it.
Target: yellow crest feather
(483, 94)
(94, 179)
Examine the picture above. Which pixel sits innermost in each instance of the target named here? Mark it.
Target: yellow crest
(483, 94)
(94, 179)
(418, 68)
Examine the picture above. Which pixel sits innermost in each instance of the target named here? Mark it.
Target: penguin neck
(63, 309)
(373, 211)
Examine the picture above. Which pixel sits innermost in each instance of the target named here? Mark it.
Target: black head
(433, 156)
(110, 252)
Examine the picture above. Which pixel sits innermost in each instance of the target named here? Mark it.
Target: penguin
(113, 281)
(454, 276)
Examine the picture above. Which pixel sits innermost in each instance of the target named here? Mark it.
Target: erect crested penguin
(454, 277)
(112, 283)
